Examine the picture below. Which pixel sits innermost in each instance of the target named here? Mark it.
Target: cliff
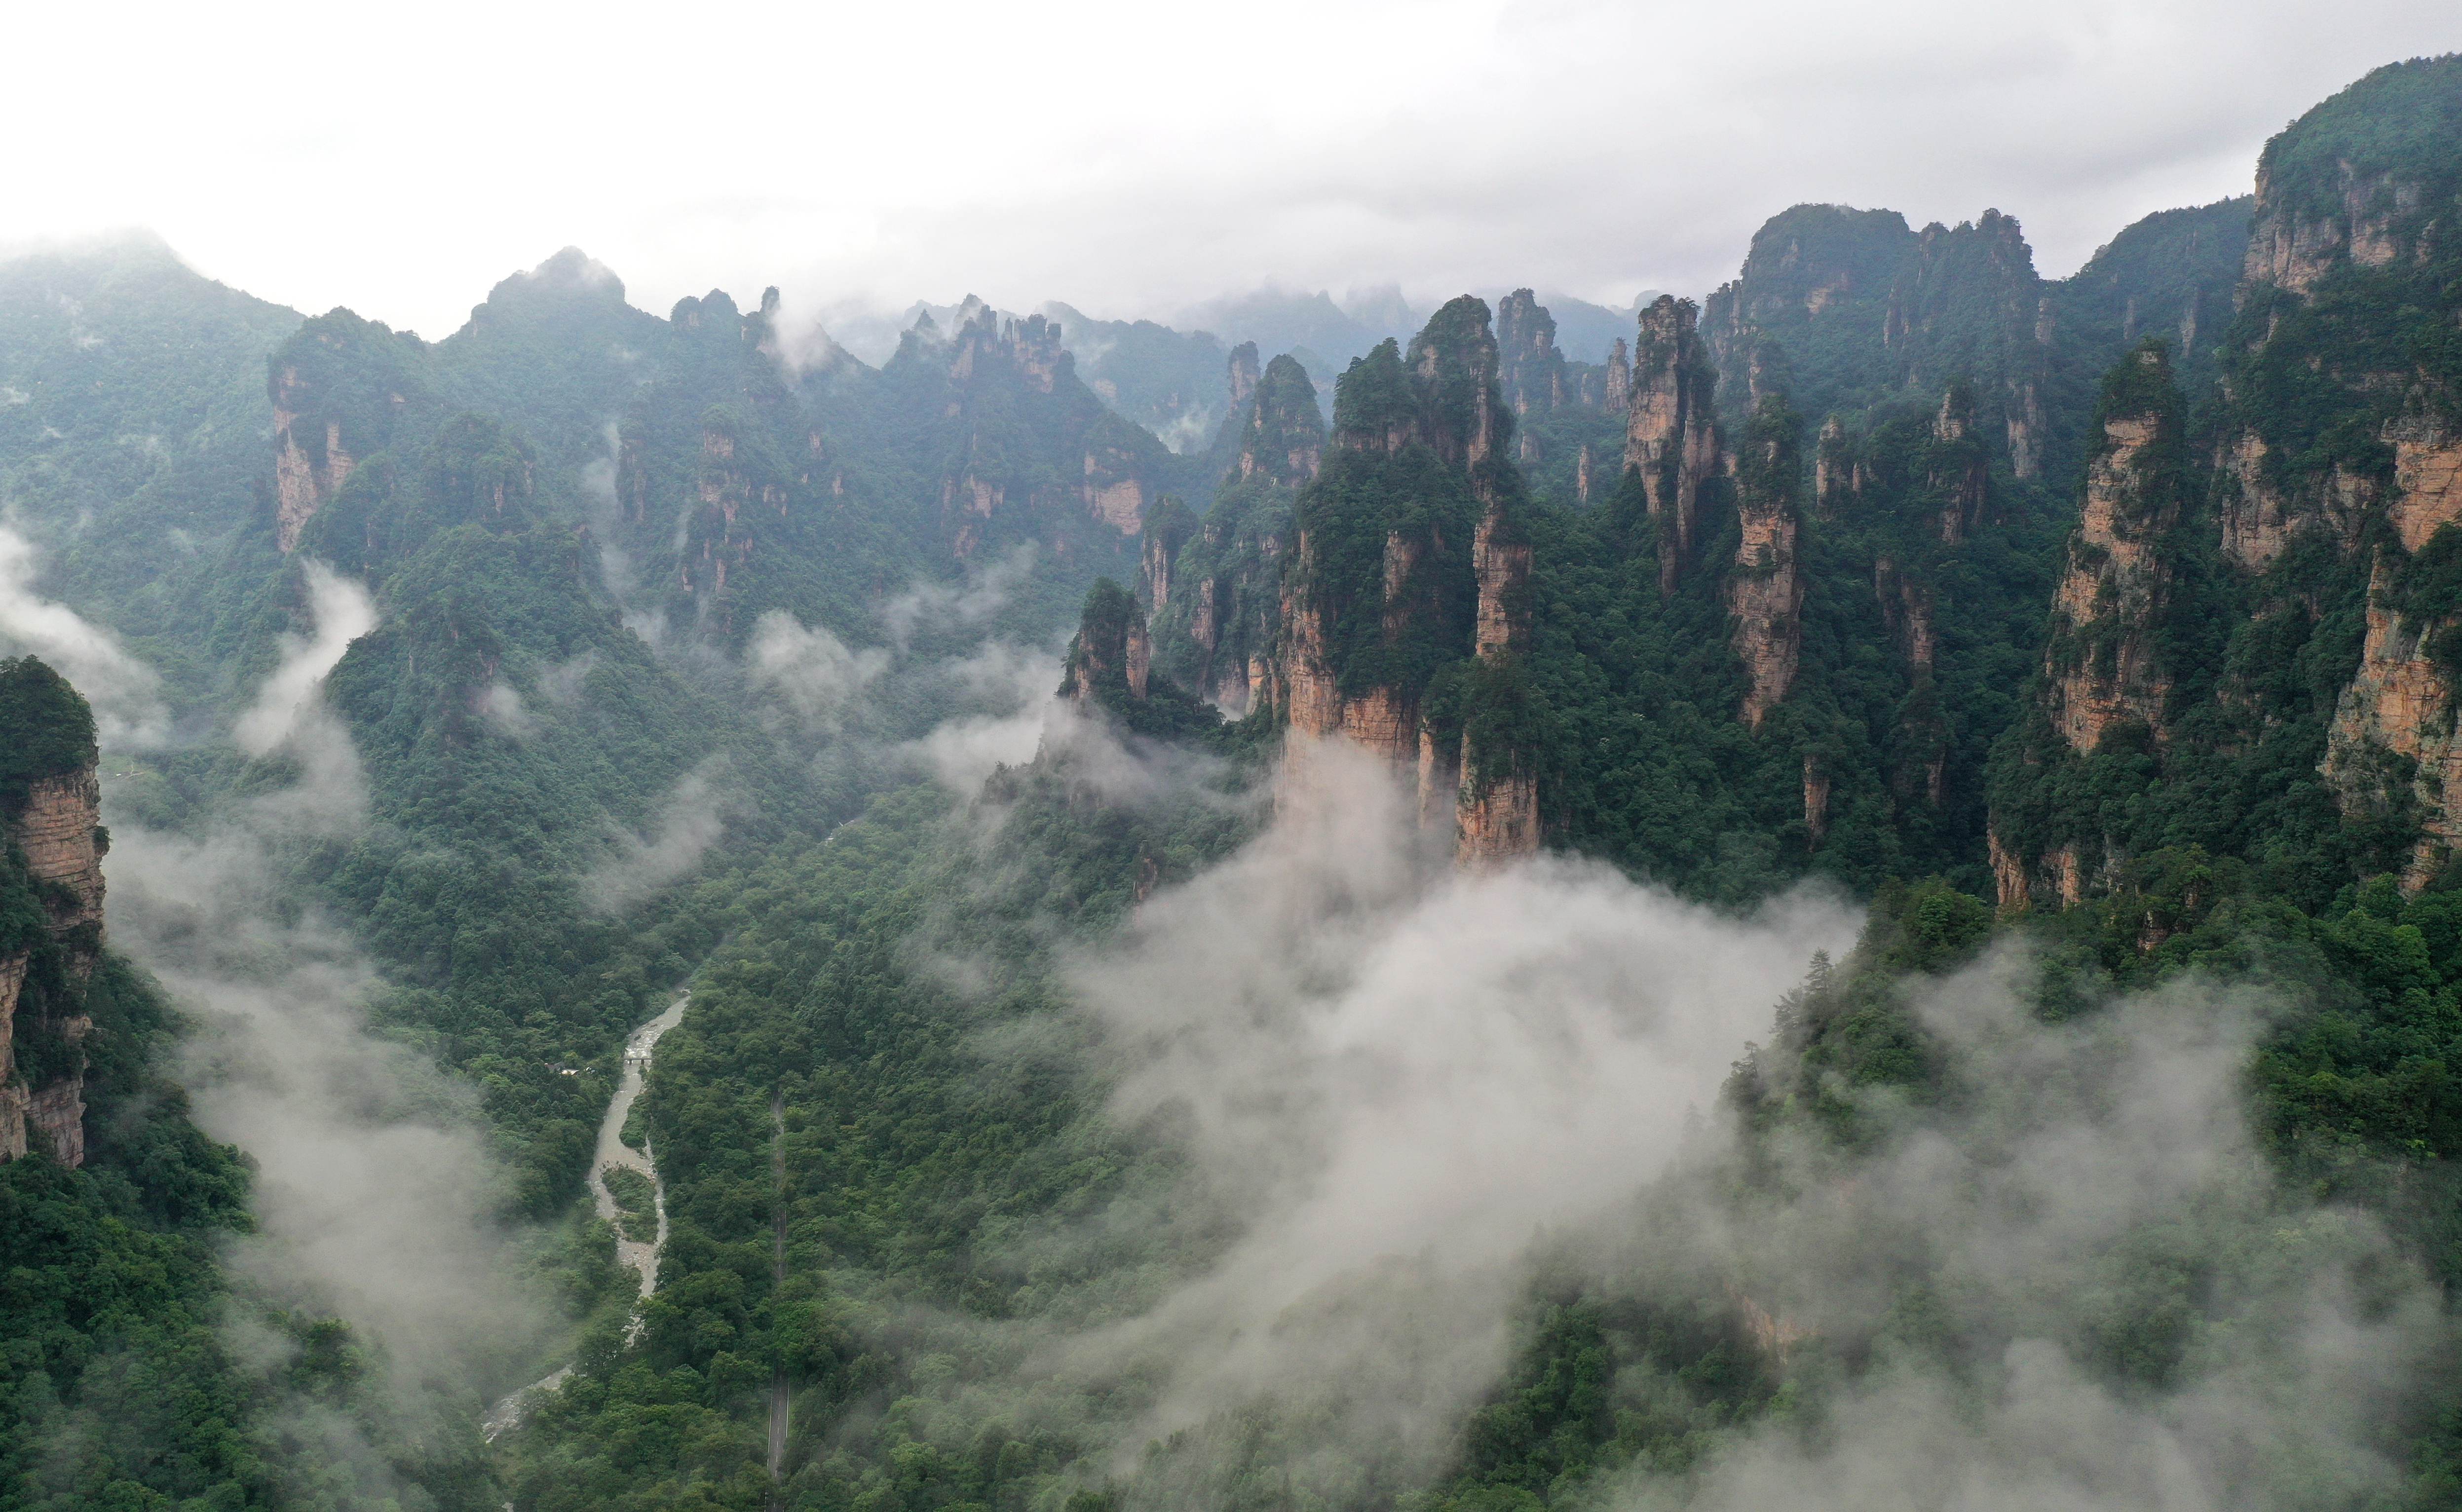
(1024, 452)
(2108, 688)
(1110, 657)
(1765, 588)
(1497, 813)
(2337, 411)
(1383, 606)
(340, 386)
(1109, 671)
(2104, 661)
(1670, 430)
(1957, 470)
(2400, 705)
(51, 910)
(1531, 370)
(1869, 309)
(1219, 626)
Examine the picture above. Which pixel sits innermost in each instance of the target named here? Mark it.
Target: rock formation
(1765, 588)
(339, 386)
(1281, 434)
(1958, 470)
(2105, 669)
(51, 911)
(1168, 526)
(1671, 432)
(1529, 368)
(2332, 199)
(1498, 810)
(1833, 469)
(2401, 704)
(1968, 303)
(1034, 457)
(1111, 655)
(1617, 395)
(1218, 630)
(2104, 662)
(1242, 374)
(1410, 577)
(1906, 614)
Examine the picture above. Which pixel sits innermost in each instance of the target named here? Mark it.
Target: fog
(1412, 1107)
(125, 693)
(1136, 162)
(1396, 1074)
(374, 1190)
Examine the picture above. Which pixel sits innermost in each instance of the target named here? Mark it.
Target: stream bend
(642, 1258)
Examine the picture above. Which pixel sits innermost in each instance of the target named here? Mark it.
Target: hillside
(1848, 892)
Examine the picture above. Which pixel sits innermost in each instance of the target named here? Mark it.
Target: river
(642, 1258)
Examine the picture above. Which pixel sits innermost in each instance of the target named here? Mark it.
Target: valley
(1843, 892)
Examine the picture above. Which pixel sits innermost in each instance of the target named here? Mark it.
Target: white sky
(1127, 155)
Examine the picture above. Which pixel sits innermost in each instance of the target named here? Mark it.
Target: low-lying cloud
(1394, 1074)
(125, 693)
(1407, 1100)
(374, 1186)
(687, 824)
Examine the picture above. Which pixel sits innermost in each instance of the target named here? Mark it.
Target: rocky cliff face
(1035, 456)
(1671, 432)
(2107, 660)
(1111, 652)
(2401, 705)
(1765, 588)
(1220, 628)
(51, 911)
(1410, 560)
(1243, 373)
(2327, 423)
(340, 387)
(1967, 305)
(1529, 368)
(1497, 812)
(1958, 472)
(2104, 663)
(1281, 433)
(1870, 310)
(1169, 526)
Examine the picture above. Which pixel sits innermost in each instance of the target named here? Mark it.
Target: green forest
(1987, 740)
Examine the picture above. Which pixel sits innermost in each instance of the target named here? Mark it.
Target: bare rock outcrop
(1112, 654)
(1498, 810)
(1670, 430)
(1765, 588)
(1282, 437)
(1411, 578)
(1530, 370)
(50, 803)
(1960, 470)
(2400, 705)
(2104, 663)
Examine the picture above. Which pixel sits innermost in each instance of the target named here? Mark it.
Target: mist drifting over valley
(1314, 766)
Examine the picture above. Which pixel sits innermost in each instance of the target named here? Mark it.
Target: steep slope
(51, 889)
(1406, 578)
(1868, 313)
(132, 417)
(2296, 702)
(1218, 625)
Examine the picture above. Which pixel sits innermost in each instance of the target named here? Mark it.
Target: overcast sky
(1129, 157)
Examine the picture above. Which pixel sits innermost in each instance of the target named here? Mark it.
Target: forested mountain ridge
(1138, 1124)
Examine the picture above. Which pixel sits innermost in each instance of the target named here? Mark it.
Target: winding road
(613, 1151)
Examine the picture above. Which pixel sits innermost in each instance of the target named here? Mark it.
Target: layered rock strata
(1670, 430)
